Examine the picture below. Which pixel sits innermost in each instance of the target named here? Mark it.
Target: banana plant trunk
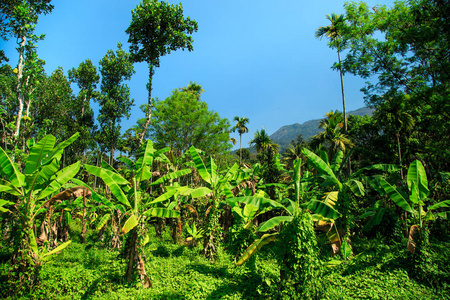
(83, 230)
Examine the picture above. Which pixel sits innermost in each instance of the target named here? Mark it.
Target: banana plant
(220, 187)
(292, 210)
(414, 199)
(40, 180)
(137, 203)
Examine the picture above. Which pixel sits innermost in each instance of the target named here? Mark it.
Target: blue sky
(254, 58)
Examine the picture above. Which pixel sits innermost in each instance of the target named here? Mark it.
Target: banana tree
(414, 200)
(297, 207)
(137, 203)
(220, 188)
(32, 189)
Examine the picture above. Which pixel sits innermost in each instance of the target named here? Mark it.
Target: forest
(166, 209)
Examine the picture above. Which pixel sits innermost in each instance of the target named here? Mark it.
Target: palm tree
(241, 128)
(332, 137)
(393, 117)
(333, 32)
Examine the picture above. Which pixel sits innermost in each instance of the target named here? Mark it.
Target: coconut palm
(332, 137)
(241, 128)
(333, 32)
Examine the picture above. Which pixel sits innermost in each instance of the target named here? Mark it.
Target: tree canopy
(183, 120)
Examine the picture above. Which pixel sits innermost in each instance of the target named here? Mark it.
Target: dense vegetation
(358, 211)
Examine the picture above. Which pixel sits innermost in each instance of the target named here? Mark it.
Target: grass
(379, 271)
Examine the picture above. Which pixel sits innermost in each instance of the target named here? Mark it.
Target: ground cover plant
(166, 211)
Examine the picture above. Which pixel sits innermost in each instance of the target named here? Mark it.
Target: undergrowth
(378, 271)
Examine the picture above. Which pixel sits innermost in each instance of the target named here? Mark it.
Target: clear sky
(254, 58)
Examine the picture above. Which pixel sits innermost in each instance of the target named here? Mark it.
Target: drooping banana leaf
(127, 161)
(172, 175)
(130, 223)
(3, 203)
(321, 166)
(110, 178)
(356, 187)
(395, 195)
(162, 213)
(321, 208)
(253, 248)
(103, 221)
(201, 168)
(256, 201)
(47, 256)
(442, 204)
(10, 170)
(273, 222)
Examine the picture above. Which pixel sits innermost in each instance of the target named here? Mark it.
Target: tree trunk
(83, 230)
(399, 153)
(19, 86)
(149, 108)
(342, 91)
(240, 149)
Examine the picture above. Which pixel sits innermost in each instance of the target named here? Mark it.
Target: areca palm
(241, 128)
(393, 117)
(333, 33)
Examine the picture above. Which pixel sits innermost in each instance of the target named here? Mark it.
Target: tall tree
(18, 19)
(115, 102)
(241, 128)
(183, 120)
(332, 137)
(86, 78)
(333, 33)
(156, 29)
(405, 49)
(393, 118)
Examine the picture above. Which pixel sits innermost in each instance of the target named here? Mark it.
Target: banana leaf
(62, 177)
(253, 248)
(321, 208)
(61, 247)
(172, 175)
(417, 175)
(10, 170)
(256, 201)
(201, 168)
(442, 204)
(162, 213)
(321, 166)
(39, 153)
(273, 222)
(130, 223)
(395, 195)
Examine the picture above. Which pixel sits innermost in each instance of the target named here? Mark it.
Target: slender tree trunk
(240, 149)
(19, 86)
(83, 230)
(149, 108)
(343, 94)
(399, 154)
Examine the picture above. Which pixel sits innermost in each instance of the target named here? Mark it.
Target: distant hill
(286, 134)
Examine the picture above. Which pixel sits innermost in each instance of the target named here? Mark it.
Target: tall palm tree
(263, 143)
(241, 128)
(333, 32)
(332, 137)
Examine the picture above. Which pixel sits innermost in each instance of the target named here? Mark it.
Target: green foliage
(299, 259)
(40, 179)
(183, 120)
